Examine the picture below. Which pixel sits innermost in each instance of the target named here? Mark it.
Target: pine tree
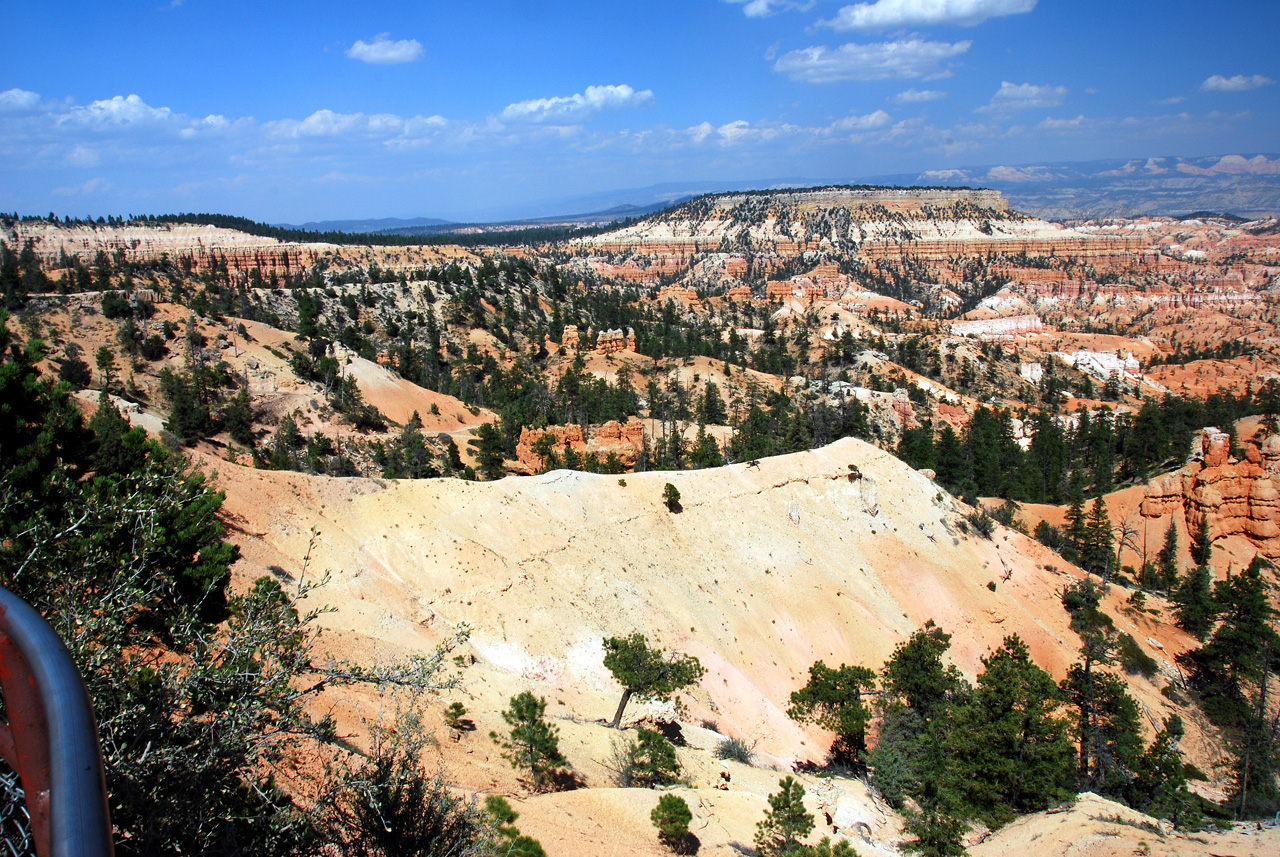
(1201, 544)
(1096, 555)
(533, 744)
(832, 699)
(1159, 787)
(916, 674)
(1242, 650)
(647, 673)
(1076, 529)
(672, 817)
(1193, 602)
(1008, 751)
(786, 822)
(490, 450)
(1167, 559)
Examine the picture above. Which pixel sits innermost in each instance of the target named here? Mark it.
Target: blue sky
(304, 111)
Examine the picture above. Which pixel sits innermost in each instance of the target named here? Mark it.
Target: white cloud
(92, 186)
(328, 123)
(918, 96)
(118, 111)
(878, 61)
(890, 14)
(571, 107)
(382, 51)
(1050, 124)
(871, 127)
(1173, 99)
(18, 101)
(870, 121)
(1238, 83)
(764, 8)
(1023, 96)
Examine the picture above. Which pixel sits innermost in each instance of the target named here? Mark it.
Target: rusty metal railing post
(51, 739)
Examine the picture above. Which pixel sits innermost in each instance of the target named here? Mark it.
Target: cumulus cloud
(918, 96)
(577, 106)
(870, 127)
(1238, 83)
(764, 8)
(18, 101)
(1023, 96)
(381, 50)
(328, 123)
(118, 111)
(878, 61)
(890, 14)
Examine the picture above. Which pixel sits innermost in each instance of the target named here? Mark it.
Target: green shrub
(671, 816)
(1134, 659)
(734, 750)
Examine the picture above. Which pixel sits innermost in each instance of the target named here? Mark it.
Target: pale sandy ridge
(767, 569)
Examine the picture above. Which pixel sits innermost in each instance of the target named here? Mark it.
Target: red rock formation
(610, 341)
(626, 440)
(740, 293)
(679, 293)
(955, 415)
(1231, 498)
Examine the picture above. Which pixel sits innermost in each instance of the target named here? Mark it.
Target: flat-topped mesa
(206, 246)
(871, 224)
(899, 200)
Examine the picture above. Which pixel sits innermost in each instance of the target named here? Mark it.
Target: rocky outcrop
(625, 440)
(610, 341)
(1229, 497)
(996, 326)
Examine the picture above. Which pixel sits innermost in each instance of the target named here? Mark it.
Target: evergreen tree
(1193, 602)
(916, 675)
(953, 470)
(120, 449)
(652, 760)
(533, 744)
(1009, 753)
(672, 817)
(1201, 544)
(72, 368)
(646, 673)
(490, 450)
(1108, 730)
(1076, 530)
(712, 410)
(1096, 553)
(1242, 651)
(1167, 560)
(832, 699)
(785, 823)
(237, 416)
(1159, 787)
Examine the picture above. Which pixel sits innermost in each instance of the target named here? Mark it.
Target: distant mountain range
(1244, 185)
(381, 224)
(1247, 186)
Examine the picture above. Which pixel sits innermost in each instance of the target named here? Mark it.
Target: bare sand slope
(766, 569)
(1097, 827)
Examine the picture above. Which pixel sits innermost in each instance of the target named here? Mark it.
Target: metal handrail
(51, 739)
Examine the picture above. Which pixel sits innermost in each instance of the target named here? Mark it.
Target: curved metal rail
(51, 739)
